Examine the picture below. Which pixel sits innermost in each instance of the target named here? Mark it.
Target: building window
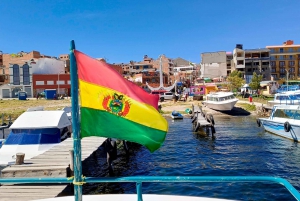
(282, 70)
(291, 57)
(281, 57)
(281, 50)
(292, 70)
(274, 75)
(26, 76)
(273, 64)
(281, 63)
(240, 62)
(50, 82)
(16, 74)
(291, 63)
(273, 70)
(39, 82)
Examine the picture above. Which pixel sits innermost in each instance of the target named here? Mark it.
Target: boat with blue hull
(176, 115)
(33, 133)
(283, 121)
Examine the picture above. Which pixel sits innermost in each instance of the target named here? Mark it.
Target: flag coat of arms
(114, 107)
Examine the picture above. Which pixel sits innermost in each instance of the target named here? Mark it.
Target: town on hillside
(33, 72)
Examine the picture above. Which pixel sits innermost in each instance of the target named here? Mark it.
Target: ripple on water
(239, 148)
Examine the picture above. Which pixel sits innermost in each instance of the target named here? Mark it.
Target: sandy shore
(169, 106)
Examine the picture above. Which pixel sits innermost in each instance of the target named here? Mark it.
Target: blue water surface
(239, 148)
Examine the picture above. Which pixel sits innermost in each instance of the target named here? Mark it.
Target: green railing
(155, 179)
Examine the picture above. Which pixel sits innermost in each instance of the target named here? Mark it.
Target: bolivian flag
(114, 107)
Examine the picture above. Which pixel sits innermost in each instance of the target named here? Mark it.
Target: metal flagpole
(75, 126)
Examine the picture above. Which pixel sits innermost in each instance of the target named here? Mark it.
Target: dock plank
(52, 163)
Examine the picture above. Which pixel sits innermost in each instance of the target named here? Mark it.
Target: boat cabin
(220, 96)
(40, 127)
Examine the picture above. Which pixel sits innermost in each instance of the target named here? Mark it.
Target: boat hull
(177, 117)
(277, 127)
(220, 106)
(129, 197)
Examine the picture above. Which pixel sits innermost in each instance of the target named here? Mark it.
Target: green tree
(255, 82)
(235, 80)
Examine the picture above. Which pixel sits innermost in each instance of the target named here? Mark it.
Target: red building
(60, 82)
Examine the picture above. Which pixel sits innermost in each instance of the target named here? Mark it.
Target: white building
(21, 75)
(213, 64)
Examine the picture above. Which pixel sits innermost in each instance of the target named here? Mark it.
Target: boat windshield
(220, 98)
(287, 113)
(33, 136)
(295, 97)
(284, 97)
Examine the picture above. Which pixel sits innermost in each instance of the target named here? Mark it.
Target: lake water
(239, 148)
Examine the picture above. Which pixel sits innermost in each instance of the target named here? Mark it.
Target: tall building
(285, 60)
(249, 61)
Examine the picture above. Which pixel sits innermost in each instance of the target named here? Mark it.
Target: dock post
(20, 158)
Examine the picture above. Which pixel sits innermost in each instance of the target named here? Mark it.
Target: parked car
(164, 95)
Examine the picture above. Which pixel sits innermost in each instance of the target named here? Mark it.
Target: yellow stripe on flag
(102, 98)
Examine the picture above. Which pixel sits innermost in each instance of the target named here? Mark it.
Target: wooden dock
(53, 163)
(200, 119)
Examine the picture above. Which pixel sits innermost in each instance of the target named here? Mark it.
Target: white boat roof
(41, 119)
(220, 94)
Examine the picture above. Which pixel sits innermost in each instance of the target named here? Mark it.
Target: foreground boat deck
(53, 163)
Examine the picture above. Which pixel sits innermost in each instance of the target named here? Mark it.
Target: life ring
(258, 122)
(287, 126)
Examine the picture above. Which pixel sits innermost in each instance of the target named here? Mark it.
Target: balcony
(240, 66)
(256, 58)
(285, 52)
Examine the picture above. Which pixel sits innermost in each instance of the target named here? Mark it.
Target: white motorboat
(284, 121)
(33, 133)
(222, 101)
(286, 98)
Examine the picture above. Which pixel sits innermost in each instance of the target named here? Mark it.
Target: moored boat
(33, 133)
(286, 98)
(222, 101)
(176, 115)
(283, 121)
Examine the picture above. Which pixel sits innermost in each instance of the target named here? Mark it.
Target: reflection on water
(238, 148)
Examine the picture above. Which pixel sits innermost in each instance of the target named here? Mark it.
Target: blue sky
(124, 30)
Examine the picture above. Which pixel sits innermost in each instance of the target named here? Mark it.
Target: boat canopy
(41, 119)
